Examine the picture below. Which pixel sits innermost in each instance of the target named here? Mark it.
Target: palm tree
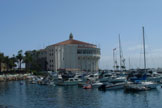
(19, 58)
(1, 60)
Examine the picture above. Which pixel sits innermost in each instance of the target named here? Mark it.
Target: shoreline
(14, 77)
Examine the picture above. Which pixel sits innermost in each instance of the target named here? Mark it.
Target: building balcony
(89, 55)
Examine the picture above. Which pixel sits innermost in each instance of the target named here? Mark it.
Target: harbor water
(24, 95)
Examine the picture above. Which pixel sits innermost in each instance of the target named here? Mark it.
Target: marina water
(24, 95)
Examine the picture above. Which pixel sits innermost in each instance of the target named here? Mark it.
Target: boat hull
(112, 86)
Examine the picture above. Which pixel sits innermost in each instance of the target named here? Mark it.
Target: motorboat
(96, 84)
(141, 86)
(135, 87)
(118, 79)
(69, 82)
(111, 86)
(105, 77)
(149, 84)
(92, 77)
(155, 78)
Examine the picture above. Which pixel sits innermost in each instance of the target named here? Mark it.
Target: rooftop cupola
(71, 36)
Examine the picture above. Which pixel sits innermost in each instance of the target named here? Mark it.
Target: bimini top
(72, 41)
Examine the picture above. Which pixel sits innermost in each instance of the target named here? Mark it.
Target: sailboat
(121, 67)
(141, 84)
(119, 70)
(117, 79)
(120, 73)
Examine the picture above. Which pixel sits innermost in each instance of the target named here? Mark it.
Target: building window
(84, 51)
(79, 51)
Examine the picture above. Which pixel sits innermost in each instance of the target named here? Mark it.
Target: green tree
(7, 62)
(1, 60)
(28, 61)
(35, 65)
(19, 58)
(12, 62)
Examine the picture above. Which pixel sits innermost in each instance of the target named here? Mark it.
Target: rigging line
(150, 53)
(139, 51)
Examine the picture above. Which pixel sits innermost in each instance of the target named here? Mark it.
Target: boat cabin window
(91, 76)
(96, 76)
(71, 79)
(79, 76)
(107, 75)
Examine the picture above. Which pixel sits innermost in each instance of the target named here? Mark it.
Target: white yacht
(97, 84)
(149, 84)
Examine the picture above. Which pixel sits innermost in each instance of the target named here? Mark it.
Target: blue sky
(34, 24)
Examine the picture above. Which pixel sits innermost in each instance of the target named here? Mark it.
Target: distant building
(71, 55)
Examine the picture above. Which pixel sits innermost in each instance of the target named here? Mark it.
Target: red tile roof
(72, 42)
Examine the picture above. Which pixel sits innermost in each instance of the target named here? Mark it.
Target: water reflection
(77, 97)
(141, 99)
(14, 95)
(3, 106)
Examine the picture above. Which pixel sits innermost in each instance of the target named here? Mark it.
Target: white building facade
(73, 55)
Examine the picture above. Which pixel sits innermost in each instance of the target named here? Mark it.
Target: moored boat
(150, 84)
(111, 86)
(69, 82)
(135, 87)
(96, 84)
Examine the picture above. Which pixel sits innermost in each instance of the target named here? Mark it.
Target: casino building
(73, 55)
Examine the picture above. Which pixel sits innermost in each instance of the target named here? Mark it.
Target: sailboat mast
(129, 63)
(120, 53)
(114, 59)
(144, 49)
